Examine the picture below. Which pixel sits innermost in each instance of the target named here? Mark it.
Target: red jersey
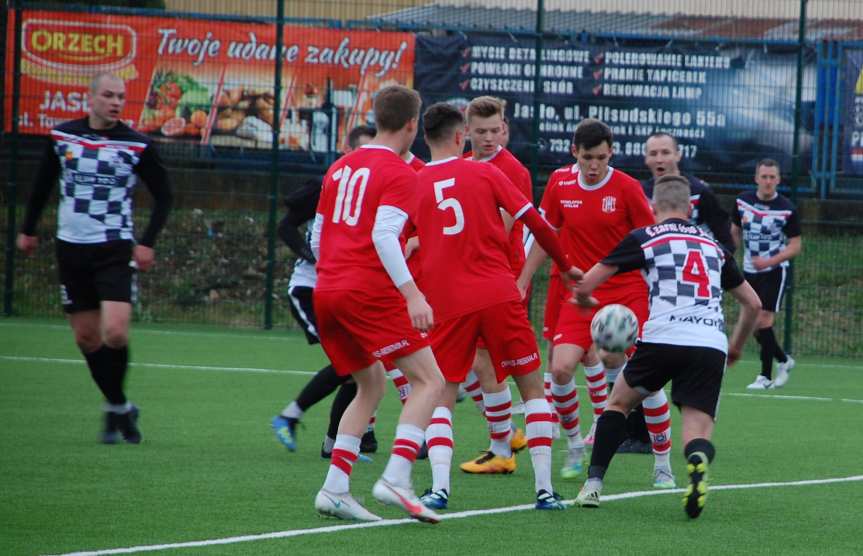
(353, 189)
(414, 264)
(593, 219)
(520, 176)
(415, 162)
(462, 237)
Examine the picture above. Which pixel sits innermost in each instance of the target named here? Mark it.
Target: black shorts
(695, 373)
(304, 312)
(770, 287)
(94, 272)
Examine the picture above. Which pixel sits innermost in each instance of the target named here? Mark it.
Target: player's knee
(562, 370)
(116, 336)
(88, 341)
(612, 360)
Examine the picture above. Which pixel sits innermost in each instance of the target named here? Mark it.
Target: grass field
(209, 467)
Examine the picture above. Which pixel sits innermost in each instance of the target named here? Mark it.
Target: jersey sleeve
(524, 183)
(792, 227)
(506, 193)
(716, 218)
(43, 185)
(153, 172)
(735, 215)
(640, 213)
(731, 276)
(627, 256)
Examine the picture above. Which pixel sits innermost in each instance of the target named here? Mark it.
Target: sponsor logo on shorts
(557, 337)
(386, 350)
(520, 362)
(64, 296)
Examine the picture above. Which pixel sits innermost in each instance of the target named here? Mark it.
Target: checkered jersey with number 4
(766, 227)
(686, 271)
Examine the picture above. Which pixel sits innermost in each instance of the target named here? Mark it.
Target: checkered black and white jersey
(766, 227)
(97, 171)
(686, 271)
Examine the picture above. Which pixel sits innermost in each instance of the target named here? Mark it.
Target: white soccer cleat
(761, 383)
(590, 493)
(342, 506)
(404, 497)
(663, 478)
(782, 374)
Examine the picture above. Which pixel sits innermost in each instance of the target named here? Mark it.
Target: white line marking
(778, 396)
(455, 515)
(65, 361)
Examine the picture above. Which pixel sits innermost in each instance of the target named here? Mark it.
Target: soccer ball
(614, 328)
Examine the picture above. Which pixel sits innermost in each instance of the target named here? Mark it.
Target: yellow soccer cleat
(518, 441)
(488, 463)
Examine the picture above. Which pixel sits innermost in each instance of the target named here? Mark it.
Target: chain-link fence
(724, 77)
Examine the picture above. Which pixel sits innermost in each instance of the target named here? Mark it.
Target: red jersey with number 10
(353, 189)
(463, 241)
(594, 219)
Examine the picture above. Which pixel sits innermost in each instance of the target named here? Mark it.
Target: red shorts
(573, 325)
(358, 328)
(480, 344)
(507, 335)
(556, 297)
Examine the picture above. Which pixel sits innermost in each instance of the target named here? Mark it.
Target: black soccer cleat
(111, 430)
(696, 493)
(127, 423)
(368, 443)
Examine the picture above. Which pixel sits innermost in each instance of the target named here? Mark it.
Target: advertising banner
(728, 106)
(853, 157)
(201, 81)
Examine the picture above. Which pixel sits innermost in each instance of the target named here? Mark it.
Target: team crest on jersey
(609, 204)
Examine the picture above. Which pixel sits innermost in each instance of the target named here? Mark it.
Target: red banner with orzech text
(204, 81)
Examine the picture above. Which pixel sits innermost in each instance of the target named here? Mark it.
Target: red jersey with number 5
(353, 189)
(464, 244)
(593, 219)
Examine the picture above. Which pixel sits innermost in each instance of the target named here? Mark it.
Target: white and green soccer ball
(614, 328)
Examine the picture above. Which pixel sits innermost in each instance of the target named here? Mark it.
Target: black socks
(610, 432)
(108, 368)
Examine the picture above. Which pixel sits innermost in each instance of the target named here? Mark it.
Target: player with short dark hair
(683, 341)
(464, 210)
(368, 307)
(594, 206)
(96, 161)
(766, 223)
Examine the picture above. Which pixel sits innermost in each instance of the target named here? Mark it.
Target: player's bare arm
(795, 245)
(595, 277)
(750, 305)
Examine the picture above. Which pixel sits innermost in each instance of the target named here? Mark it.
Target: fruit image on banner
(179, 101)
(205, 81)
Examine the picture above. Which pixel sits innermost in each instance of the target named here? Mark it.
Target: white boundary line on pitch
(455, 515)
(288, 336)
(258, 370)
